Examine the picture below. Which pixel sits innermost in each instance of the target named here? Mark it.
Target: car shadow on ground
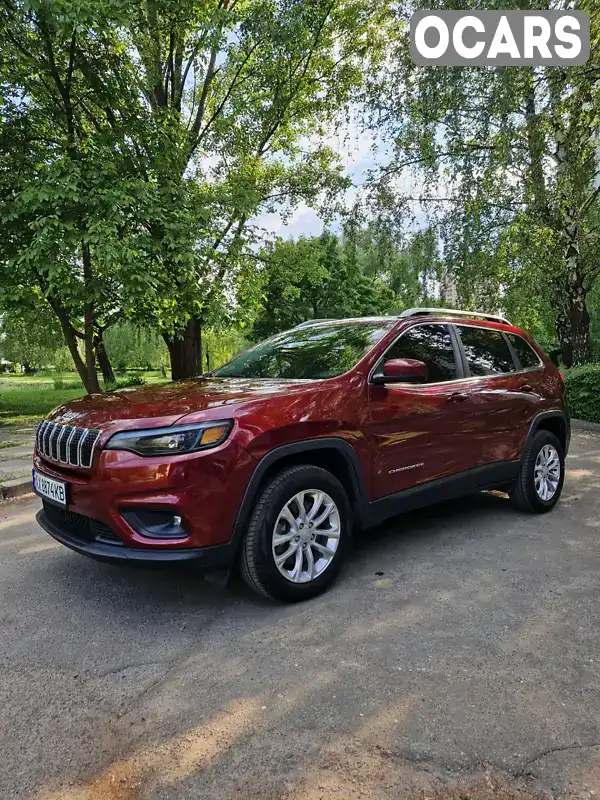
(174, 586)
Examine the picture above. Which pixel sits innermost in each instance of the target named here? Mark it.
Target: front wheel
(540, 480)
(298, 535)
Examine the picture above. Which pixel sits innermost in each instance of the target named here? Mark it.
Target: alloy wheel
(547, 472)
(306, 536)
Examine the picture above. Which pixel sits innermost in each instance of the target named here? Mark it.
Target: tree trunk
(108, 376)
(92, 385)
(573, 319)
(185, 351)
(71, 342)
(573, 331)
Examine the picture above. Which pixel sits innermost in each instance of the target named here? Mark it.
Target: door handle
(526, 387)
(458, 397)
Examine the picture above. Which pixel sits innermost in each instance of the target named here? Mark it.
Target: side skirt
(487, 477)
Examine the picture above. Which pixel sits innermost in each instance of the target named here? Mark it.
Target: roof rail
(312, 322)
(452, 312)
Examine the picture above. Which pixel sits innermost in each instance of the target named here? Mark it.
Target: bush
(583, 392)
(134, 380)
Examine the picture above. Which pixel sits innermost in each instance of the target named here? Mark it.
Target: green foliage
(30, 338)
(316, 278)
(131, 346)
(220, 345)
(506, 163)
(583, 392)
(125, 383)
(136, 146)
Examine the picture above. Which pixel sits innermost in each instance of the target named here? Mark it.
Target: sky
(356, 150)
(360, 151)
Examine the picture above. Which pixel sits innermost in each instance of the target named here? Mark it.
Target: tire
(259, 550)
(523, 492)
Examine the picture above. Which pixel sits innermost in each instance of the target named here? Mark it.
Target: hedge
(583, 392)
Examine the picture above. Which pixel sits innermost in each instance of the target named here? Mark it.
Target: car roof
(456, 315)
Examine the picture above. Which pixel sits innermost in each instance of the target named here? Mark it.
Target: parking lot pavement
(457, 656)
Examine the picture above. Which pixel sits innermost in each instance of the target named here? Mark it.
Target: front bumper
(204, 489)
(94, 540)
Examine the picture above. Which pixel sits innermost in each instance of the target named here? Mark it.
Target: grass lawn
(27, 399)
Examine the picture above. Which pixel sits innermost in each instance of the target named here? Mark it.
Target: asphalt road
(457, 656)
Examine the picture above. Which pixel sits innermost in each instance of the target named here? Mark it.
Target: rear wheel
(298, 535)
(540, 481)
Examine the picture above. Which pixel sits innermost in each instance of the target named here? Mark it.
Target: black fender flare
(359, 500)
(544, 415)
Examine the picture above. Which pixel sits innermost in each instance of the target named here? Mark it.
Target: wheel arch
(556, 422)
(332, 454)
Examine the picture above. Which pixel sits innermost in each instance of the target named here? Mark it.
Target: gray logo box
(561, 36)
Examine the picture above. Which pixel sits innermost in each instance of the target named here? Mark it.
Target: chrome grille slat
(66, 444)
(40, 434)
(54, 442)
(59, 439)
(81, 441)
(73, 449)
(46, 439)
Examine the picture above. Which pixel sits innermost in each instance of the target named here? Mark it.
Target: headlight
(172, 441)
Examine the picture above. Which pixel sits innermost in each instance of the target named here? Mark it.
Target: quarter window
(486, 351)
(527, 356)
(431, 344)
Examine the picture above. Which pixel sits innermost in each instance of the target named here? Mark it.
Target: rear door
(421, 432)
(503, 401)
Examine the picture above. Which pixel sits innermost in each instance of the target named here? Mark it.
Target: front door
(421, 432)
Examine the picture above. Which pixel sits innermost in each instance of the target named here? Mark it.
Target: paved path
(458, 656)
(16, 451)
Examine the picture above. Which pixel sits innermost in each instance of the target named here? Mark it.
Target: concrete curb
(15, 488)
(582, 425)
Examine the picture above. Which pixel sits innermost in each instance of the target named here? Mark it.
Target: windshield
(319, 351)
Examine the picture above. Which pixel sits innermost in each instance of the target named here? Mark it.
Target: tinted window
(526, 354)
(486, 350)
(319, 351)
(431, 344)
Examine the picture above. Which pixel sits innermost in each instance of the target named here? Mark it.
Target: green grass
(22, 403)
(26, 399)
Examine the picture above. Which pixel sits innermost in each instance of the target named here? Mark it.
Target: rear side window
(486, 351)
(431, 344)
(526, 354)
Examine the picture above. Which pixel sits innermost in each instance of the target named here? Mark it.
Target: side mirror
(402, 370)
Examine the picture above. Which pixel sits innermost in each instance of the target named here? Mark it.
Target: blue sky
(356, 150)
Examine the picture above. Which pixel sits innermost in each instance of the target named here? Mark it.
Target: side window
(431, 344)
(486, 351)
(526, 354)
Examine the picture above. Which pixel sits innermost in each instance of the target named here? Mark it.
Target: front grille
(84, 529)
(66, 444)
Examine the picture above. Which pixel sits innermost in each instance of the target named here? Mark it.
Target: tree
(130, 346)
(69, 176)
(508, 162)
(159, 132)
(315, 278)
(239, 86)
(29, 338)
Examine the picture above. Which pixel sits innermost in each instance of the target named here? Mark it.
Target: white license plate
(55, 491)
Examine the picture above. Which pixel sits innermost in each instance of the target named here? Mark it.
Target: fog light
(155, 523)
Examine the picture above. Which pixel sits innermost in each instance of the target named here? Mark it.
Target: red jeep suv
(274, 459)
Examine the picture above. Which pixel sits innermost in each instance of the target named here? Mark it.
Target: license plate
(50, 489)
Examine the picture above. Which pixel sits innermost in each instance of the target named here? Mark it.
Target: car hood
(140, 407)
